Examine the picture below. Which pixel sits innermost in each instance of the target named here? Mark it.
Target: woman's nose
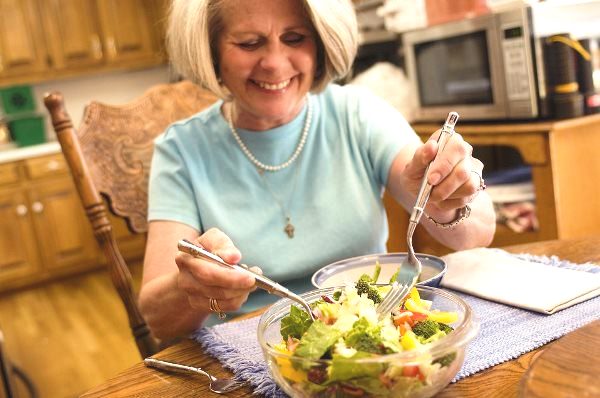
(275, 56)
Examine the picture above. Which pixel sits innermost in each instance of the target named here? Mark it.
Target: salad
(347, 329)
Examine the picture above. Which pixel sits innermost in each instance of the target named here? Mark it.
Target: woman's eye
(249, 45)
(293, 38)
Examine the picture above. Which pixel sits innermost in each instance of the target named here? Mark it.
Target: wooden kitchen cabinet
(19, 259)
(127, 30)
(22, 50)
(43, 229)
(63, 234)
(44, 232)
(565, 169)
(72, 34)
(48, 39)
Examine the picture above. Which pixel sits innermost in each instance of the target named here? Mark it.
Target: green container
(27, 129)
(17, 99)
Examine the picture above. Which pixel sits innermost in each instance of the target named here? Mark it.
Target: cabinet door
(64, 234)
(22, 49)
(126, 27)
(160, 11)
(17, 238)
(72, 33)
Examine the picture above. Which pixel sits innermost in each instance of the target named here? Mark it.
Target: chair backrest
(7, 389)
(9, 373)
(110, 155)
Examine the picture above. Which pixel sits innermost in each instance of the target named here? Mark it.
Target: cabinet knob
(96, 47)
(21, 210)
(37, 207)
(111, 46)
(53, 165)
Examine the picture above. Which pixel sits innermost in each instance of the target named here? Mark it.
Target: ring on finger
(482, 185)
(213, 304)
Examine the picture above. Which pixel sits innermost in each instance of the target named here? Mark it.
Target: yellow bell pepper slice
(443, 316)
(438, 316)
(409, 341)
(414, 294)
(286, 368)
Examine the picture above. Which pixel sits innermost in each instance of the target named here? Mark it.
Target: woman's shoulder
(193, 126)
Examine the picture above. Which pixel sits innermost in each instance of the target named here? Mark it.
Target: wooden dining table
(566, 367)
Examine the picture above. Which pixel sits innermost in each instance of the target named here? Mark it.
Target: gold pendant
(289, 229)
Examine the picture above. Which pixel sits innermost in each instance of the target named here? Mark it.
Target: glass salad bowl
(417, 370)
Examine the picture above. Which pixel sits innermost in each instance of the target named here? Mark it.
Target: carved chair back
(110, 155)
(9, 373)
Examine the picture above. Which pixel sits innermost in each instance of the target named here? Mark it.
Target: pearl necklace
(253, 158)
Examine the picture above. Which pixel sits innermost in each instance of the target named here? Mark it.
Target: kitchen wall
(114, 89)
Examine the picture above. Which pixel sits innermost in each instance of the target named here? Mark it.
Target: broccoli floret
(337, 294)
(427, 328)
(364, 287)
(365, 338)
(446, 359)
(367, 343)
(445, 328)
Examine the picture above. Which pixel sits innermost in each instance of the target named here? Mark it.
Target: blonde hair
(194, 26)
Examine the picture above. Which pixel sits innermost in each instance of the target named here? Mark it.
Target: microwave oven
(484, 68)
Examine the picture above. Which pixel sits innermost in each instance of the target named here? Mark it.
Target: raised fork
(396, 295)
(392, 299)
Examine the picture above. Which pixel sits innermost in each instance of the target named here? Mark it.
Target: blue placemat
(505, 333)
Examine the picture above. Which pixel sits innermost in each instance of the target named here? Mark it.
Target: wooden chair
(110, 155)
(9, 373)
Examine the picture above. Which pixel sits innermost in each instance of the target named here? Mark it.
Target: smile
(274, 86)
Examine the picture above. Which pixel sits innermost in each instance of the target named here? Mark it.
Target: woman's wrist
(461, 214)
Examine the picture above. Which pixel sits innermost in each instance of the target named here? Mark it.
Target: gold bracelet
(462, 214)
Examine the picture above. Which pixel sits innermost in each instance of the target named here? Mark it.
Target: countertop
(11, 155)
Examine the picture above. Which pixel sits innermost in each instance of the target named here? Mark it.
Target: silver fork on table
(216, 385)
(399, 290)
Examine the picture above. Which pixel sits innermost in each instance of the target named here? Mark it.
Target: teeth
(277, 86)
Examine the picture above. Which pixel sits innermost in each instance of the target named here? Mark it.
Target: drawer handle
(21, 210)
(37, 207)
(53, 165)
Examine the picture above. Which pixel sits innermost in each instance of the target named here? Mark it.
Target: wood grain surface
(568, 369)
(499, 381)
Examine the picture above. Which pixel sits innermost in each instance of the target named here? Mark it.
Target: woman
(287, 171)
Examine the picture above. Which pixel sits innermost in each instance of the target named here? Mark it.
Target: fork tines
(392, 299)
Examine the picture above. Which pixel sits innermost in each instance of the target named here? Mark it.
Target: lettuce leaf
(317, 340)
(295, 324)
(343, 369)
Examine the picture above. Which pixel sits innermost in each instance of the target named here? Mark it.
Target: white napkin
(496, 275)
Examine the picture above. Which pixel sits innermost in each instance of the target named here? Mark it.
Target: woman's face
(267, 60)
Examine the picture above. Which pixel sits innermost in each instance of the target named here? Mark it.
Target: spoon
(262, 281)
(216, 385)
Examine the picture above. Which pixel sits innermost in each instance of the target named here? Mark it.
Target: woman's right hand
(201, 280)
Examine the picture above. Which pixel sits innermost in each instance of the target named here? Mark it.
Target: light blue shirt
(332, 191)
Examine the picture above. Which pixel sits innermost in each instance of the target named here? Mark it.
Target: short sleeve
(170, 193)
(383, 130)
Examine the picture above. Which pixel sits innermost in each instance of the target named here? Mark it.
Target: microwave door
(457, 66)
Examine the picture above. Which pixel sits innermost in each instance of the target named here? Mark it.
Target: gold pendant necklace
(289, 228)
(262, 168)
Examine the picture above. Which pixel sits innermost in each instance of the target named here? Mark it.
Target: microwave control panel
(515, 64)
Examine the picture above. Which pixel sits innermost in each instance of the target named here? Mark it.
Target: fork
(399, 290)
(216, 385)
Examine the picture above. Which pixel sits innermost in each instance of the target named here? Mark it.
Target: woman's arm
(164, 306)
